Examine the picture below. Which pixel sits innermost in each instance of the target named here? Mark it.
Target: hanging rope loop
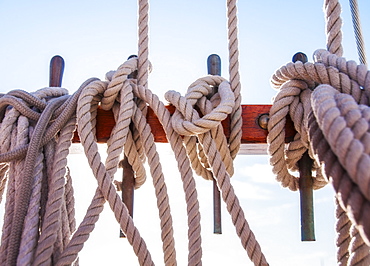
(328, 102)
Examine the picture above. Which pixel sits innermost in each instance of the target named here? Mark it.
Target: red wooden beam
(252, 132)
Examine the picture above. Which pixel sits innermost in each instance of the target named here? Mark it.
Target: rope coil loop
(186, 120)
(328, 102)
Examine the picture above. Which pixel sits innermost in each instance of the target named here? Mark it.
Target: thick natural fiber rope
(297, 79)
(186, 121)
(9, 205)
(147, 138)
(52, 218)
(143, 93)
(359, 250)
(333, 27)
(143, 61)
(343, 226)
(194, 246)
(3, 177)
(337, 138)
(85, 114)
(29, 237)
(236, 120)
(31, 220)
(22, 203)
(53, 245)
(346, 77)
(351, 196)
(345, 126)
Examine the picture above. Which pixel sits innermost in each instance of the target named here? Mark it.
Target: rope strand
(358, 31)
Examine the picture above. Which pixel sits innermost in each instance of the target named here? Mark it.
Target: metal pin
(300, 57)
(56, 71)
(214, 65)
(306, 198)
(214, 68)
(128, 185)
(128, 178)
(306, 184)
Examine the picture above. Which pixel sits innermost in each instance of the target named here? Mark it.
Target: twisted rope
(335, 107)
(22, 203)
(359, 250)
(3, 178)
(358, 31)
(31, 182)
(9, 208)
(143, 62)
(350, 193)
(186, 121)
(333, 27)
(194, 237)
(343, 238)
(29, 237)
(86, 115)
(52, 218)
(236, 119)
(51, 208)
(327, 101)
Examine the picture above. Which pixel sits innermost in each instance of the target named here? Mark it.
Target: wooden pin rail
(252, 133)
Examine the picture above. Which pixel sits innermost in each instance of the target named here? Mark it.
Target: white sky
(97, 36)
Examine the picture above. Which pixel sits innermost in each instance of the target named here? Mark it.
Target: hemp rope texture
(55, 248)
(323, 130)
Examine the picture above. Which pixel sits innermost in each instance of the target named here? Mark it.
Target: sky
(95, 37)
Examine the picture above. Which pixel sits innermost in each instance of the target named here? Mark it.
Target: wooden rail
(252, 133)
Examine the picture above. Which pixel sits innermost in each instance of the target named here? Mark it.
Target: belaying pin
(306, 184)
(214, 68)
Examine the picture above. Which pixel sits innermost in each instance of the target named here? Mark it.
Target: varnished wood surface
(252, 132)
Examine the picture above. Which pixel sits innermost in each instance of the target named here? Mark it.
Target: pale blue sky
(97, 36)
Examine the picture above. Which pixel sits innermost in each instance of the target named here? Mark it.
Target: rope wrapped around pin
(186, 121)
(336, 124)
(119, 81)
(39, 134)
(295, 82)
(117, 93)
(216, 162)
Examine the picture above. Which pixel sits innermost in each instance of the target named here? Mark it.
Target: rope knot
(186, 119)
(118, 81)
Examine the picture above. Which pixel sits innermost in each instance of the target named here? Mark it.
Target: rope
(328, 103)
(236, 120)
(333, 27)
(186, 121)
(343, 238)
(40, 228)
(3, 177)
(22, 203)
(143, 61)
(352, 197)
(335, 112)
(358, 31)
(359, 250)
(56, 193)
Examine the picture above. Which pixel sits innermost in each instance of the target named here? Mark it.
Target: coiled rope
(328, 103)
(37, 129)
